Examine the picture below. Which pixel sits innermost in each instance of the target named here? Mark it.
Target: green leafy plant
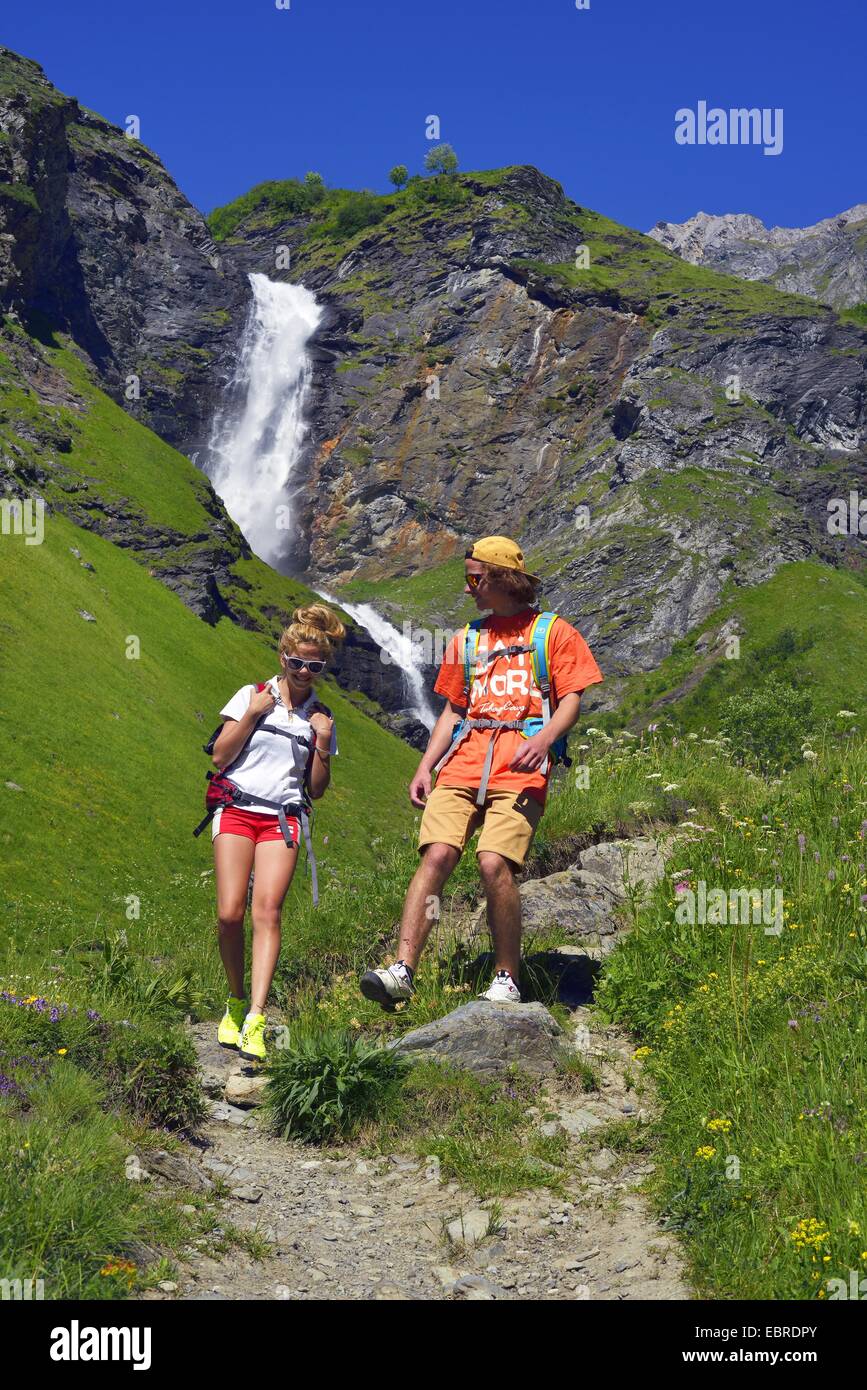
(116, 973)
(326, 1082)
(151, 1070)
(769, 723)
(358, 211)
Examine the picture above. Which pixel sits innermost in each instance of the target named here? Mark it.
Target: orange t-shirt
(505, 689)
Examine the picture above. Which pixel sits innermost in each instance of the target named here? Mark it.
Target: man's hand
(531, 754)
(420, 787)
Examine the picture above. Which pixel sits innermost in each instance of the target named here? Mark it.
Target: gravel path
(352, 1228)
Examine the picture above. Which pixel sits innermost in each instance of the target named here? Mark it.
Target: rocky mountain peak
(827, 260)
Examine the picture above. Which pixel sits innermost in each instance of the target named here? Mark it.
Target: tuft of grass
(68, 1215)
(325, 1083)
(575, 1073)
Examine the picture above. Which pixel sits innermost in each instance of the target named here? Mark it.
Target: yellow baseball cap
(499, 550)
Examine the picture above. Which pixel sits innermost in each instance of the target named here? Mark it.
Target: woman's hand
(322, 727)
(262, 701)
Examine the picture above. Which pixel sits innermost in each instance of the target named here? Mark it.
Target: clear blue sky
(231, 92)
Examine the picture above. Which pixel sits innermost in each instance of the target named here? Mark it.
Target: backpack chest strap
(495, 726)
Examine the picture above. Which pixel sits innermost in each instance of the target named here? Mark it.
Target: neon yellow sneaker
(229, 1031)
(252, 1044)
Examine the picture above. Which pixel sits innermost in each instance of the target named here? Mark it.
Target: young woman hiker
(275, 744)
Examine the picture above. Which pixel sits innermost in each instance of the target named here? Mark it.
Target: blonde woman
(275, 747)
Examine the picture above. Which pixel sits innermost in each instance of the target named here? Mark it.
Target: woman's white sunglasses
(297, 663)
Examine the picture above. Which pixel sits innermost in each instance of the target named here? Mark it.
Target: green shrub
(144, 1064)
(151, 1069)
(115, 973)
(283, 198)
(358, 211)
(769, 724)
(326, 1082)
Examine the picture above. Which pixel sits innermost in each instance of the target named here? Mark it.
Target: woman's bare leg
(233, 860)
(275, 864)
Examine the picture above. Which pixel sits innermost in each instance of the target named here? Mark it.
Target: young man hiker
(493, 774)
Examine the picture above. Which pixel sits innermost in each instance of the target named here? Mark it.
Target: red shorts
(253, 825)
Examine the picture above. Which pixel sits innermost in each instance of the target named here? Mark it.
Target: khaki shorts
(508, 820)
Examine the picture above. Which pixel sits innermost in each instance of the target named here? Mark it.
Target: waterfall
(400, 650)
(256, 441)
(256, 438)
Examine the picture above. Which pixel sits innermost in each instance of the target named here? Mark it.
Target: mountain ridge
(827, 260)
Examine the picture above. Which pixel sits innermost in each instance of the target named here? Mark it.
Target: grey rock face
(464, 377)
(827, 261)
(487, 1038)
(581, 902)
(96, 236)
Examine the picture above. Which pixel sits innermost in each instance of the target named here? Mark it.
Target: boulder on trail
(488, 1038)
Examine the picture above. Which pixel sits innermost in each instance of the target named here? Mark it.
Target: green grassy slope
(108, 749)
(805, 625)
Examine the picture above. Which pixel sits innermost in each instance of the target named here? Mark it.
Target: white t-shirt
(271, 765)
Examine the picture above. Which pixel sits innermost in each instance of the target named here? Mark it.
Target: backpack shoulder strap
(540, 640)
(471, 647)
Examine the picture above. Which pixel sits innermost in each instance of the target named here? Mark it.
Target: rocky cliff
(827, 261)
(498, 358)
(95, 237)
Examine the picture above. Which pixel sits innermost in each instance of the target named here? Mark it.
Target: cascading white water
(253, 449)
(400, 650)
(256, 441)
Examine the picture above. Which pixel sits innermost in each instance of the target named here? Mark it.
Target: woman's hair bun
(313, 622)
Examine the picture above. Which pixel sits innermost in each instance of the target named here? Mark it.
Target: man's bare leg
(437, 862)
(504, 910)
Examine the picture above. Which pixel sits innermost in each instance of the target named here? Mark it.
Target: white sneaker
(389, 986)
(503, 989)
